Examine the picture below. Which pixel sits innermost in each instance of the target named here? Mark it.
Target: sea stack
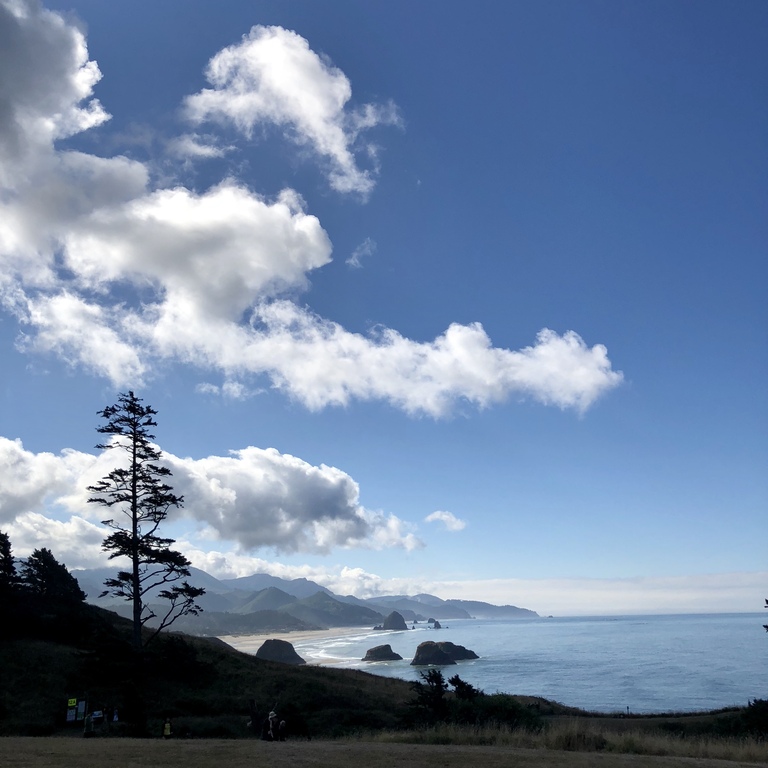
(457, 652)
(430, 652)
(440, 654)
(381, 653)
(279, 650)
(395, 621)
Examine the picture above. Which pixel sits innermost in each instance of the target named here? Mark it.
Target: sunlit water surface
(605, 664)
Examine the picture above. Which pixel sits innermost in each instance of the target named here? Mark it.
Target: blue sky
(464, 299)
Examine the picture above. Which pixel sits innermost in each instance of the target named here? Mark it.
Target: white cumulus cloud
(74, 542)
(273, 77)
(122, 279)
(263, 498)
(256, 498)
(31, 480)
(45, 76)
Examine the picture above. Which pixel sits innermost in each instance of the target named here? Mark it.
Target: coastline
(252, 643)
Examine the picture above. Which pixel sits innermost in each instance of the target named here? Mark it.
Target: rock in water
(457, 652)
(279, 650)
(395, 621)
(430, 652)
(381, 653)
(441, 653)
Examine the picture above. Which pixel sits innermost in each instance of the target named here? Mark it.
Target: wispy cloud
(232, 390)
(365, 249)
(448, 519)
(192, 146)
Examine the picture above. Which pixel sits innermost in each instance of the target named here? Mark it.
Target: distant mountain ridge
(264, 603)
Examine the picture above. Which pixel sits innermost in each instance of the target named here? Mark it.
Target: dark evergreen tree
(43, 575)
(9, 578)
(430, 693)
(138, 491)
(464, 691)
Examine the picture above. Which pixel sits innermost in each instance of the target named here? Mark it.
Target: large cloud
(255, 498)
(75, 542)
(264, 498)
(30, 481)
(117, 278)
(273, 77)
(45, 74)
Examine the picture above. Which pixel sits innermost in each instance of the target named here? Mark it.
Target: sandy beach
(252, 643)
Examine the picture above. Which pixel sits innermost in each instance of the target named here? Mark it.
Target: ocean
(640, 664)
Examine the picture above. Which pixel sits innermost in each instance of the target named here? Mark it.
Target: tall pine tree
(138, 492)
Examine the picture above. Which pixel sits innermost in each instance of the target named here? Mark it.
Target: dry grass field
(72, 752)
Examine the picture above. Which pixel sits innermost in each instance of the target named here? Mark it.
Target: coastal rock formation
(430, 652)
(437, 625)
(381, 653)
(457, 652)
(395, 621)
(279, 650)
(441, 654)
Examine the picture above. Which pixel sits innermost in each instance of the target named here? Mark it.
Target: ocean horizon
(641, 664)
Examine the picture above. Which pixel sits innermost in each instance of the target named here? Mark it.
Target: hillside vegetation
(52, 651)
(55, 647)
(49, 654)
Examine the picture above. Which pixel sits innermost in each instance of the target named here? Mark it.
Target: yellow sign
(72, 703)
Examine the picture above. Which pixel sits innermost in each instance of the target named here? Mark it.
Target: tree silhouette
(139, 492)
(9, 578)
(430, 692)
(44, 576)
(464, 691)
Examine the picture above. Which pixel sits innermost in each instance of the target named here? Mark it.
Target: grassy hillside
(50, 653)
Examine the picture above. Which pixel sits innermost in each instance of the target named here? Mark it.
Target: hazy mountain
(325, 610)
(480, 610)
(300, 588)
(433, 600)
(412, 609)
(217, 597)
(261, 603)
(269, 599)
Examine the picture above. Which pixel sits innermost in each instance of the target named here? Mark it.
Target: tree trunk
(135, 544)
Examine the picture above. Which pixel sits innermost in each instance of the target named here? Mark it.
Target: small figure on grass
(273, 728)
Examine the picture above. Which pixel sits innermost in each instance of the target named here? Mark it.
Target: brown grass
(66, 752)
(581, 735)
